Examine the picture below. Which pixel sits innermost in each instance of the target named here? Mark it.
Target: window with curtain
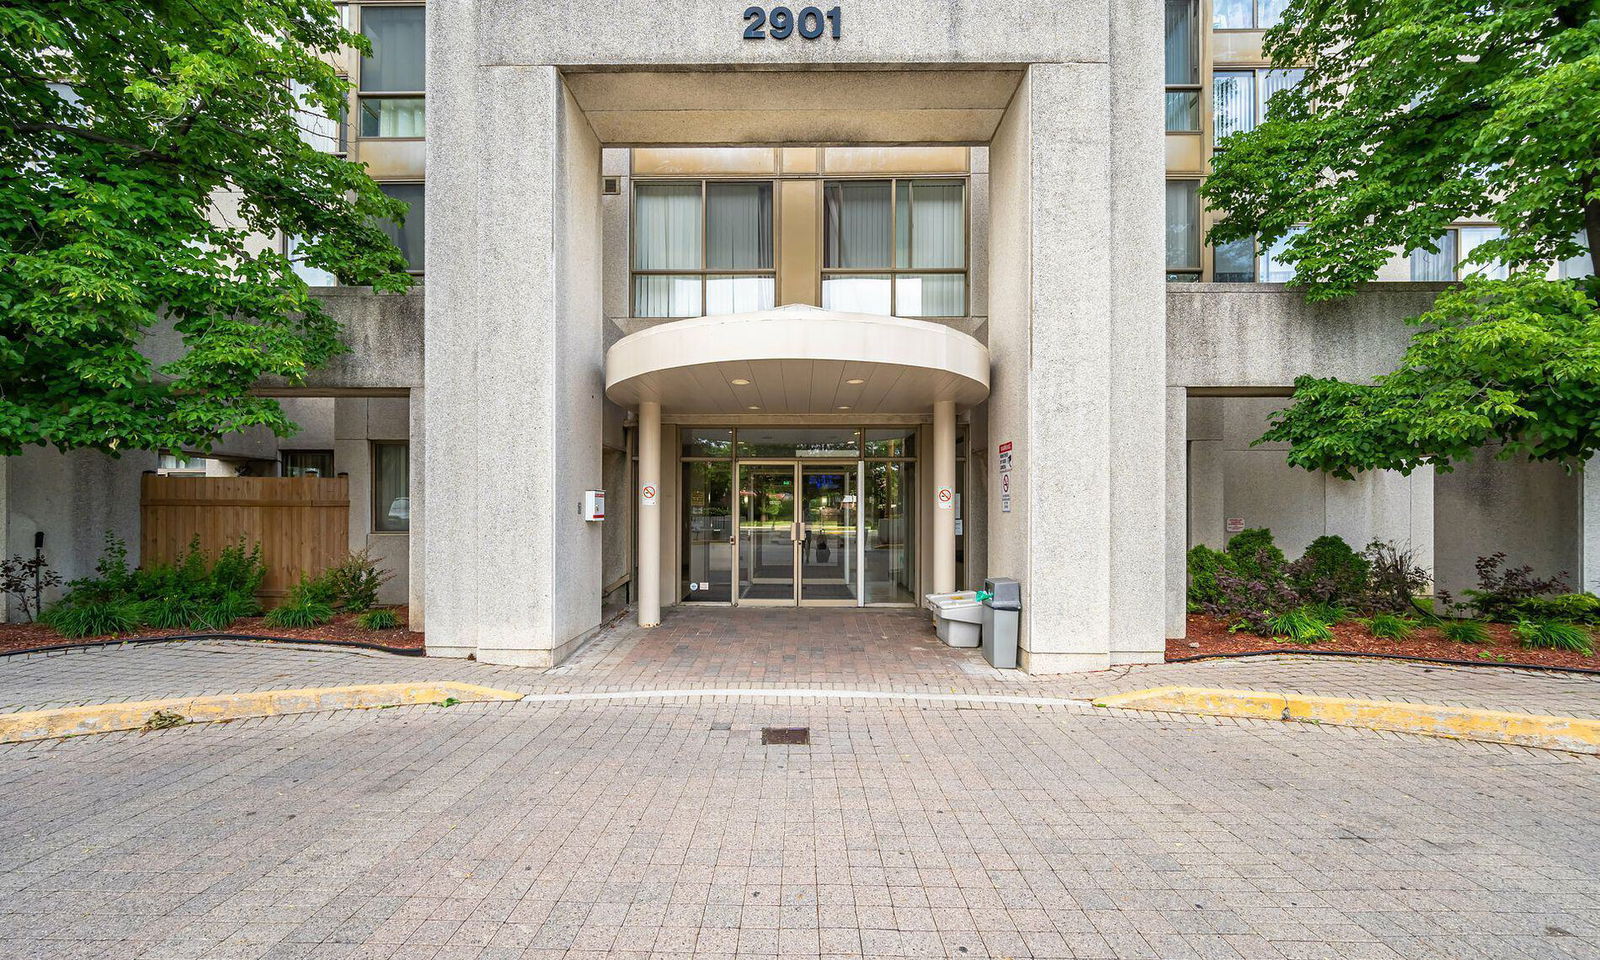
(1247, 14)
(702, 248)
(307, 463)
(895, 247)
(393, 78)
(1581, 265)
(1183, 231)
(391, 487)
(1242, 98)
(1437, 267)
(1182, 67)
(408, 234)
(1468, 239)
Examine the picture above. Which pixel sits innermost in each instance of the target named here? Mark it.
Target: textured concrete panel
(1529, 511)
(384, 334)
(1265, 335)
(696, 32)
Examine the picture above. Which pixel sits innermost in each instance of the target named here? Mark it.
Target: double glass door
(799, 533)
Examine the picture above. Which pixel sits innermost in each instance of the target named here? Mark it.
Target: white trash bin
(957, 617)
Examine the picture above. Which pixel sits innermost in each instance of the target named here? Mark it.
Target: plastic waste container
(1000, 615)
(957, 617)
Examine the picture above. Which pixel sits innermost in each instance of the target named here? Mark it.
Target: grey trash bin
(1000, 613)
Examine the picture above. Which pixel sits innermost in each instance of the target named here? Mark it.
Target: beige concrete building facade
(838, 306)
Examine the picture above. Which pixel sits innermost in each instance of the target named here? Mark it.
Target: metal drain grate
(796, 735)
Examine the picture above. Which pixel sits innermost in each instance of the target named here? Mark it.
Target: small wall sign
(781, 23)
(1234, 525)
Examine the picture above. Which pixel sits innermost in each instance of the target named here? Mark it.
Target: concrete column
(1177, 512)
(649, 514)
(417, 549)
(944, 496)
(515, 347)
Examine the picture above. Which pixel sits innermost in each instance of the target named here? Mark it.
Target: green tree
(1414, 114)
(150, 153)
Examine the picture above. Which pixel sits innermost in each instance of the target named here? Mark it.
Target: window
(1240, 98)
(393, 78)
(1455, 247)
(1581, 265)
(1247, 14)
(1234, 261)
(408, 234)
(1183, 67)
(1274, 269)
(391, 487)
(895, 247)
(702, 248)
(307, 463)
(1183, 231)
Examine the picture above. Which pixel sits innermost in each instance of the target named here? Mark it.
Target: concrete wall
(1533, 512)
(1229, 476)
(358, 421)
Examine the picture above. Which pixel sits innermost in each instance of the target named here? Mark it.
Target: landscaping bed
(1209, 636)
(342, 629)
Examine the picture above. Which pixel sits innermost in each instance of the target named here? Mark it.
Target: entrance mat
(181, 711)
(1460, 723)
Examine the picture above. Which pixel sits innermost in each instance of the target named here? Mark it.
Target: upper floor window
(1581, 265)
(1183, 67)
(895, 247)
(1183, 231)
(1240, 97)
(1456, 245)
(1247, 14)
(394, 77)
(702, 247)
(408, 236)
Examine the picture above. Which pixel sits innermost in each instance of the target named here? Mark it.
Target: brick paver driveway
(662, 827)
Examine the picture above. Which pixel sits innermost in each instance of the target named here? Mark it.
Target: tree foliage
(1413, 115)
(151, 151)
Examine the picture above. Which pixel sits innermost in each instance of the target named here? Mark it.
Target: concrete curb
(178, 711)
(1459, 723)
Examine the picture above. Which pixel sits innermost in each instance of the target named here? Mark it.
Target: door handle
(797, 532)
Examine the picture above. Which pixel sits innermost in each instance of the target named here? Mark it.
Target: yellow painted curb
(109, 717)
(1460, 723)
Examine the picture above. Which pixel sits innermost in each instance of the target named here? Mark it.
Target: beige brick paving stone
(910, 827)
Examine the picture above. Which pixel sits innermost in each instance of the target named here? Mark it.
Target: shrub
(1554, 635)
(1393, 578)
(220, 614)
(1389, 626)
(1204, 565)
(95, 617)
(1566, 608)
(1301, 625)
(380, 619)
(1501, 588)
(1330, 571)
(172, 612)
(1253, 555)
(1251, 603)
(353, 584)
(1330, 613)
(300, 612)
(26, 579)
(1465, 631)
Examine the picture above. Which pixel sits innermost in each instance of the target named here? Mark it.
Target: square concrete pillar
(513, 365)
(1177, 520)
(1589, 535)
(1077, 337)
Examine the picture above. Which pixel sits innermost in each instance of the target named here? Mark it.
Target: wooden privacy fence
(302, 523)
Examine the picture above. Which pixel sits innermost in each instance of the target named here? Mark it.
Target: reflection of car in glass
(400, 508)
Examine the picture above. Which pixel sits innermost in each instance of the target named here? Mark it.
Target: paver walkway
(758, 649)
(662, 829)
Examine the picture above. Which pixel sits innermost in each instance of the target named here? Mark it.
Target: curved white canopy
(797, 360)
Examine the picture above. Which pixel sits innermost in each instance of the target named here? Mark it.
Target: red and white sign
(1004, 464)
(946, 498)
(1235, 525)
(647, 495)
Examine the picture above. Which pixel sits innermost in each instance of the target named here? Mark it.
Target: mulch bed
(343, 630)
(1209, 636)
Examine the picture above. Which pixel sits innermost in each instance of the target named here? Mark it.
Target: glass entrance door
(767, 533)
(830, 560)
(799, 533)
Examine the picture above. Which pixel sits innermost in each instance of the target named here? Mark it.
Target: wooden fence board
(301, 523)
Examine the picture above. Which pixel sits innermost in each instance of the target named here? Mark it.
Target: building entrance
(789, 531)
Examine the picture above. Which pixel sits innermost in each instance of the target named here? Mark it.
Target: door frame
(798, 464)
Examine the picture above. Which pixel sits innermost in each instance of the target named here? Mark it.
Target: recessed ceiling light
(856, 382)
(741, 382)
(752, 407)
(844, 408)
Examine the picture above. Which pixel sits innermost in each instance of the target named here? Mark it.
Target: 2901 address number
(781, 23)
